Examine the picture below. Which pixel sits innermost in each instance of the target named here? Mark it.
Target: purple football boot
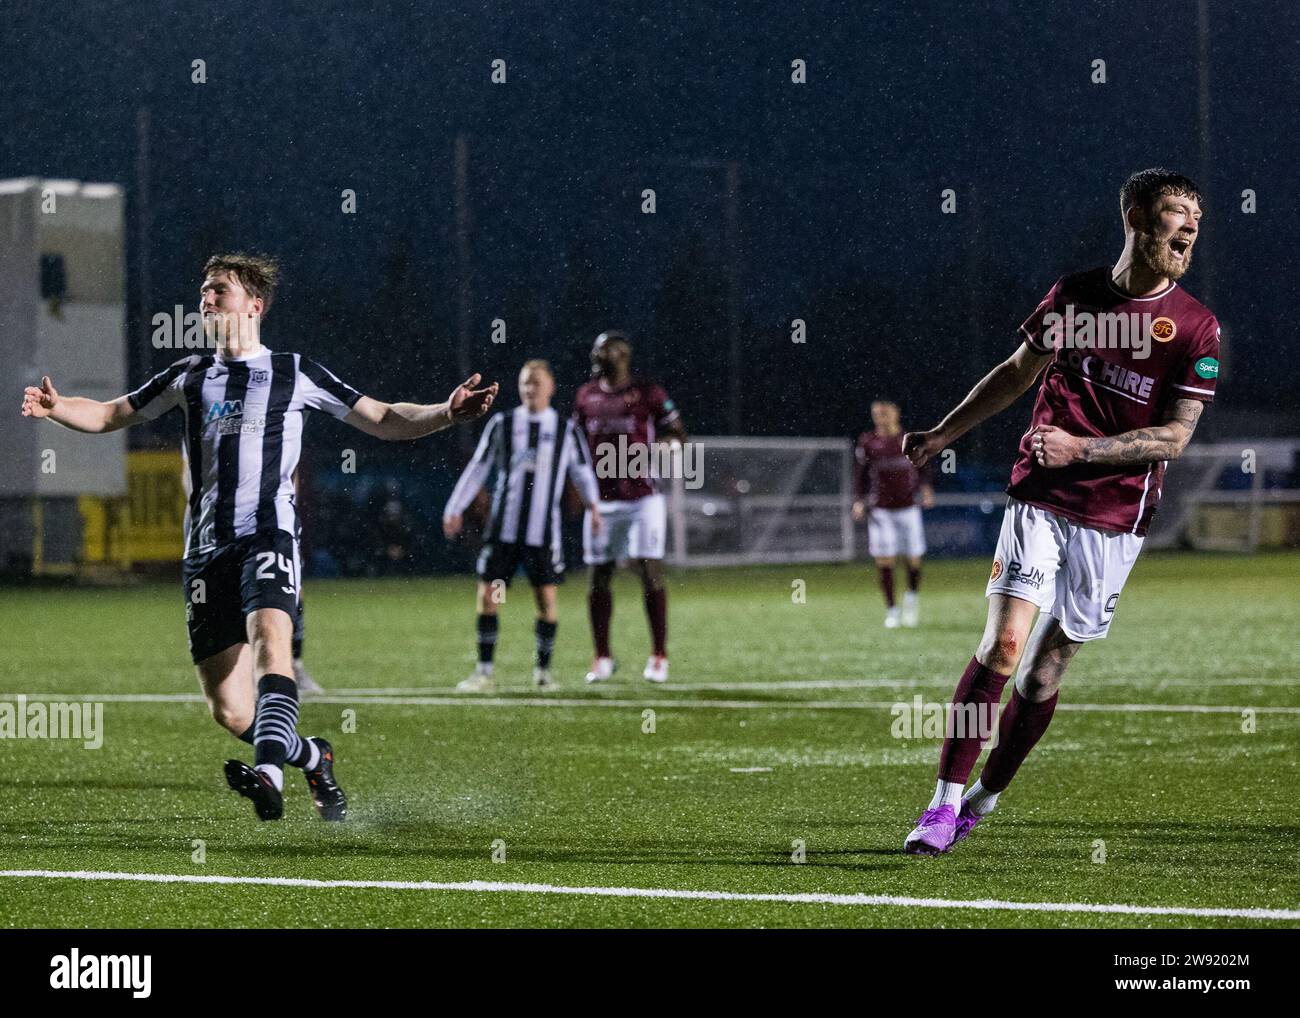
(934, 832)
(966, 819)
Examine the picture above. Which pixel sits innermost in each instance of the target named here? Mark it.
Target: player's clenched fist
(921, 446)
(40, 402)
(1053, 447)
(467, 403)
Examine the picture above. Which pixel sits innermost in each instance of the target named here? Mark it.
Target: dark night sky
(839, 178)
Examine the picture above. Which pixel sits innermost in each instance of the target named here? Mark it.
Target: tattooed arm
(1166, 441)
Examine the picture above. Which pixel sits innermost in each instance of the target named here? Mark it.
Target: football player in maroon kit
(1087, 480)
(885, 489)
(622, 417)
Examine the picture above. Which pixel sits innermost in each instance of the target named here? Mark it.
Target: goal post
(763, 500)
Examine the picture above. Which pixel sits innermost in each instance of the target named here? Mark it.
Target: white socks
(946, 793)
(313, 755)
(981, 799)
(274, 773)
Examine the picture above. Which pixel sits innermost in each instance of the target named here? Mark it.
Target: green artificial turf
(1192, 810)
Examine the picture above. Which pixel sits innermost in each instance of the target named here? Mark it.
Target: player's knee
(602, 576)
(1001, 650)
(271, 654)
(652, 574)
(1039, 686)
(235, 720)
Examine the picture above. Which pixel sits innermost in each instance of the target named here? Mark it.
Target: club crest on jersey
(1163, 330)
(258, 375)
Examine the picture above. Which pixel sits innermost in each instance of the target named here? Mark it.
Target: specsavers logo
(1207, 367)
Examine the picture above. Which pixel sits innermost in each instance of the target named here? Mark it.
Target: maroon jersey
(615, 421)
(883, 471)
(1104, 390)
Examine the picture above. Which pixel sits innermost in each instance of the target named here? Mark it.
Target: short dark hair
(615, 336)
(1145, 186)
(258, 274)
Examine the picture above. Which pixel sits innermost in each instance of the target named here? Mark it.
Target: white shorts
(1072, 572)
(890, 531)
(635, 529)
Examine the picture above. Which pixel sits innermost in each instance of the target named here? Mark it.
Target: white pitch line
(471, 700)
(942, 681)
(813, 898)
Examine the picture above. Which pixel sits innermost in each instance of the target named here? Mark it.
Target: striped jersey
(243, 423)
(532, 455)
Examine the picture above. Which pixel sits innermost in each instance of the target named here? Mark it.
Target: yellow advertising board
(145, 526)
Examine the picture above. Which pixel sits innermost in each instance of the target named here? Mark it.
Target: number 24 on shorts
(266, 563)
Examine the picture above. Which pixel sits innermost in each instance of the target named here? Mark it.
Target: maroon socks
(600, 605)
(982, 688)
(656, 612)
(887, 584)
(1023, 724)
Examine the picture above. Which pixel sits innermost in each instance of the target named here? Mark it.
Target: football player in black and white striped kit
(533, 452)
(241, 410)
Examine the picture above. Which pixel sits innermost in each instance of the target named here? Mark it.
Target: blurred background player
(1083, 488)
(532, 452)
(306, 683)
(619, 414)
(886, 485)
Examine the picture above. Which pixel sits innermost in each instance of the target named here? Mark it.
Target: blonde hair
(537, 364)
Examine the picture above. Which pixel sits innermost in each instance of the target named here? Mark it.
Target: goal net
(1231, 496)
(757, 500)
(786, 500)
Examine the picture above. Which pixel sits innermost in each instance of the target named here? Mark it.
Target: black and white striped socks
(275, 732)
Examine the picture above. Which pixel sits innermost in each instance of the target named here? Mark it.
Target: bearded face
(1164, 237)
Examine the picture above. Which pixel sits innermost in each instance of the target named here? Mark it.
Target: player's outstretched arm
(78, 413)
(992, 394)
(1166, 441)
(395, 422)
